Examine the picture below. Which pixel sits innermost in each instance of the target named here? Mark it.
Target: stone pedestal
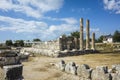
(13, 72)
(81, 34)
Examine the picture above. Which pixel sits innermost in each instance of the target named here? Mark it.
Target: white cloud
(54, 31)
(113, 5)
(20, 25)
(94, 30)
(40, 29)
(63, 28)
(33, 8)
(69, 20)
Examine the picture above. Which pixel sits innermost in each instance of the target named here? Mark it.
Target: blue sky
(48, 19)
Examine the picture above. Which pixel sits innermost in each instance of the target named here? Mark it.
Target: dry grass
(1, 74)
(43, 69)
(96, 59)
(54, 76)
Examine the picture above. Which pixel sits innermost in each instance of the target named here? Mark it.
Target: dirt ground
(40, 68)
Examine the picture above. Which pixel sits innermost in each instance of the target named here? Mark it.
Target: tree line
(19, 43)
(115, 36)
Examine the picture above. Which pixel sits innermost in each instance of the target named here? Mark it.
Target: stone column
(75, 42)
(93, 41)
(81, 34)
(60, 44)
(87, 36)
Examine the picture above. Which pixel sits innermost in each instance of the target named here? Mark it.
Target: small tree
(100, 39)
(19, 43)
(75, 34)
(116, 36)
(9, 43)
(36, 40)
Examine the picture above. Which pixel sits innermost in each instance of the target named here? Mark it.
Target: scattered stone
(116, 68)
(61, 65)
(71, 68)
(101, 73)
(84, 71)
(23, 57)
(9, 61)
(115, 76)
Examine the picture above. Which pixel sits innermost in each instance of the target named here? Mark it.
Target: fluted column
(93, 41)
(81, 34)
(87, 36)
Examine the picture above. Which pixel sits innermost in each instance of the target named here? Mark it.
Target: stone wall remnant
(71, 68)
(10, 66)
(86, 73)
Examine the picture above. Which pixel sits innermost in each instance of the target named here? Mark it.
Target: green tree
(75, 34)
(36, 40)
(19, 43)
(9, 43)
(116, 36)
(100, 39)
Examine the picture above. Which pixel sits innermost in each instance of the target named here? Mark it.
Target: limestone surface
(101, 73)
(84, 71)
(13, 72)
(71, 68)
(61, 65)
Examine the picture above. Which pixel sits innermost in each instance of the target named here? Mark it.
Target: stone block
(115, 76)
(13, 72)
(101, 73)
(116, 68)
(9, 61)
(61, 65)
(84, 71)
(71, 68)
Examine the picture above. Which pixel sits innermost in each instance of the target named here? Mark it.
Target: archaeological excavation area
(62, 59)
(65, 46)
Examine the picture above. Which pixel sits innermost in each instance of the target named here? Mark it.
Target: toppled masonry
(10, 66)
(86, 73)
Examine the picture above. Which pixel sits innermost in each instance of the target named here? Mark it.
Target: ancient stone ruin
(10, 66)
(65, 46)
(84, 72)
